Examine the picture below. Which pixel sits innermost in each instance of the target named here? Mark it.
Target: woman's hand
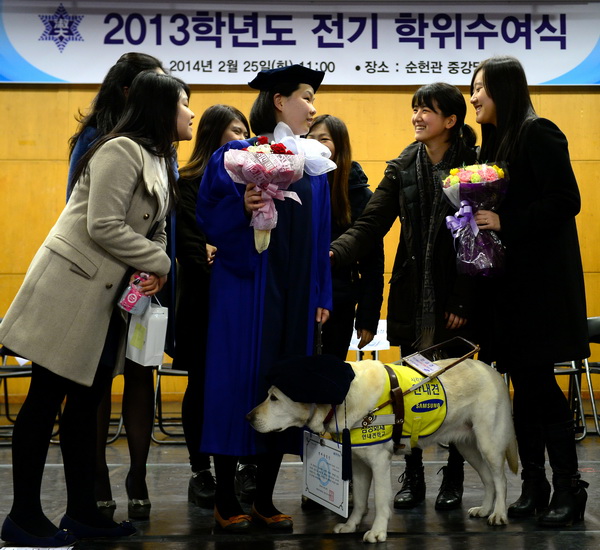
(366, 337)
(487, 219)
(322, 315)
(211, 252)
(453, 321)
(150, 286)
(252, 198)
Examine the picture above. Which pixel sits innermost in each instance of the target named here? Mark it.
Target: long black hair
(149, 119)
(449, 100)
(338, 178)
(505, 83)
(108, 105)
(213, 123)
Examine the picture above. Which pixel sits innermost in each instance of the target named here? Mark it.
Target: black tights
(31, 439)
(138, 416)
(538, 399)
(192, 418)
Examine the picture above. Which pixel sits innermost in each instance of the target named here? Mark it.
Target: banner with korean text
(368, 43)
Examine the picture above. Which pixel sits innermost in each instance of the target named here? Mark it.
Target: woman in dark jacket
(218, 125)
(538, 308)
(357, 288)
(428, 301)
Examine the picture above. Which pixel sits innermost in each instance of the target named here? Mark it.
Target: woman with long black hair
(65, 318)
(537, 310)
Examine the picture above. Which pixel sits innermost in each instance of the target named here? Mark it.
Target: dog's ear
(313, 379)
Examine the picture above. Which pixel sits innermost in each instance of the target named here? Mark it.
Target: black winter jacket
(360, 282)
(397, 197)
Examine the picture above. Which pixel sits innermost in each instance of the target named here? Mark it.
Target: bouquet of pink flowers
(470, 188)
(272, 168)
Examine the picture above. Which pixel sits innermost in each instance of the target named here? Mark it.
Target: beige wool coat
(60, 316)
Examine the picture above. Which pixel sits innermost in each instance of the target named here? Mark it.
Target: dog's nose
(249, 416)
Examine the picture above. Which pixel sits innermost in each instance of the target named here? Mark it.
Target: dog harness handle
(397, 399)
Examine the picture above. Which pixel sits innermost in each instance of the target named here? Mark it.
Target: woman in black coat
(428, 301)
(357, 288)
(537, 310)
(218, 125)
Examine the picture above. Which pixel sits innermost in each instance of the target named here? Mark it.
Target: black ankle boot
(451, 490)
(535, 494)
(568, 502)
(570, 497)
(412, 492)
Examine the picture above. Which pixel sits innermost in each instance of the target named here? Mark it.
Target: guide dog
(478, 421)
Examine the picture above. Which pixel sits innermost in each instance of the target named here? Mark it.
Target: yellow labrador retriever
(478, 420)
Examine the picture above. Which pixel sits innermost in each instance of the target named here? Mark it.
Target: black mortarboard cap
(295, 74)
(312, 379)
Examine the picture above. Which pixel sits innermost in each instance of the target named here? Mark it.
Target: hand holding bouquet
(272, 168)
(470, 188)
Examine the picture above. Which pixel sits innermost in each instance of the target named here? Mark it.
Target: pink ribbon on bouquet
(462, 218)
(268, 192)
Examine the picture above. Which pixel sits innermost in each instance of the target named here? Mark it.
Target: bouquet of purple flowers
(470, 188)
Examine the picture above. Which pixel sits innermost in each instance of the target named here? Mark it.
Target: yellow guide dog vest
(424, 411)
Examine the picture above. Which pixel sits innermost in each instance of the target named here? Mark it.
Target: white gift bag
(146, 336)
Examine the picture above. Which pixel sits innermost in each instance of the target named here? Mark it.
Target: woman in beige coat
(64, 318)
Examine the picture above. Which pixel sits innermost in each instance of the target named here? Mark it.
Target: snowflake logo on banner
(61, 27)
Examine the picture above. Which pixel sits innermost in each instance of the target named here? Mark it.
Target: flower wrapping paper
(272, 173)
(471, 188)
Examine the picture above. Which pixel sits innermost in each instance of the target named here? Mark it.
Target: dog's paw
(479, 512)
(498, 519)
(375, 536)
(344, 528)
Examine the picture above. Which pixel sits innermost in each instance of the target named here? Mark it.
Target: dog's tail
(512, 456)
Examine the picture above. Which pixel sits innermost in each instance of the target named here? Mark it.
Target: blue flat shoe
(14, 534)
(83, 531)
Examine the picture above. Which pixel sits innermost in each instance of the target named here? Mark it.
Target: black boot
(201, 489)
(412, 492)
(451, 489)
(570, 497)
(535, 490)
(568, 502)
(535, 493)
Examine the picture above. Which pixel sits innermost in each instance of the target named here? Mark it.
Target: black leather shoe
(412, 492)
(567, 505)
(201, 489)
(83, 531)
(451, 490)
(535, 495)
(245, 482)
(15, 535)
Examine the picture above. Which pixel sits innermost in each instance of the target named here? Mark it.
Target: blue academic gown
(262, 306)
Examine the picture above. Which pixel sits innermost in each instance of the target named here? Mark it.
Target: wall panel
(38, 120)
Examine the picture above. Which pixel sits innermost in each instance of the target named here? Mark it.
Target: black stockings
(538, 399)
(138, 416)
(31, 438)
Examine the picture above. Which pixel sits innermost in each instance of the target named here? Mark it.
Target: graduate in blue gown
(264, 306)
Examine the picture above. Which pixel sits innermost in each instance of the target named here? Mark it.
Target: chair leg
(159, 419)
(157, 406)
(588, 375)
(577, 401)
